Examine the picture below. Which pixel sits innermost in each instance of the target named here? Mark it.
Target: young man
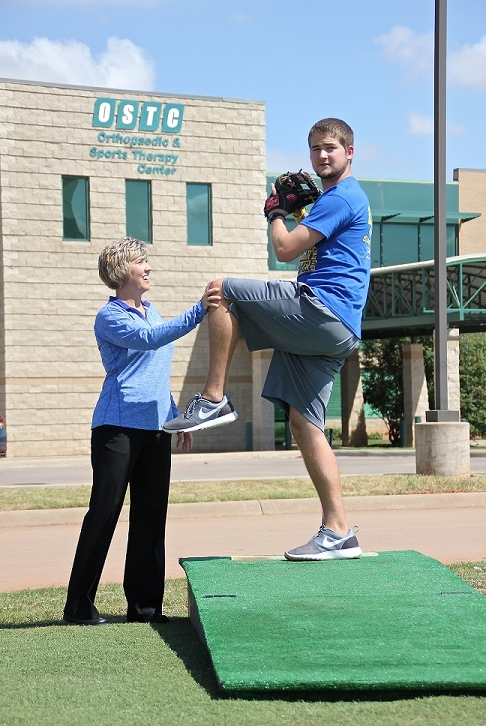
(312, 324)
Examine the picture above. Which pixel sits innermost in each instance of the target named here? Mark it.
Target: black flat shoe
(155, 618)
(79, 621)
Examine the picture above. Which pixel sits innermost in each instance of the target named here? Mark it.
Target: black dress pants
(122, 456)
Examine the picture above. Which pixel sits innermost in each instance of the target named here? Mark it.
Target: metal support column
(440, 211)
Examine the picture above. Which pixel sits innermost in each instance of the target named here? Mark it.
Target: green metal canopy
(419, 216)
(401, 298)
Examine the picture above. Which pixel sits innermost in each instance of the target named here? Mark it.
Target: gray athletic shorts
(310, 343)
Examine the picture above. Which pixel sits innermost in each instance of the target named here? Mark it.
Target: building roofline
(467, 168)
(139, 92)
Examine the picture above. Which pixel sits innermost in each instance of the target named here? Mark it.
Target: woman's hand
(211, 297)
(184, 439)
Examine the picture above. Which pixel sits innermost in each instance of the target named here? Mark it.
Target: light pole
(441, 412)
(441, 443)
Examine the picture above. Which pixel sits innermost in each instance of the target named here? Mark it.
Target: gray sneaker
(328, 545)
(202, 414)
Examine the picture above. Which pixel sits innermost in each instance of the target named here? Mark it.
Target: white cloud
(422, 125)
(240, 19)
(456, 129)
(121, 65)
(404, 46)
(467, 66)
(279, 162)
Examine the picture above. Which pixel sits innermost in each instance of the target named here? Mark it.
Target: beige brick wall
(50, 372)
(472, 197)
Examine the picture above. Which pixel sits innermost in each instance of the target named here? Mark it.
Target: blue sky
(370, 63)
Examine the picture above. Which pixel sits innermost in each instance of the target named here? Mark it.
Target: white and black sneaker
(202, 414)
(327, 545)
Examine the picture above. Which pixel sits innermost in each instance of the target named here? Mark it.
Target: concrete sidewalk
(38, 546)
(216, 466)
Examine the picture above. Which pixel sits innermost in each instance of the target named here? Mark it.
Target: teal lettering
(148, 156)
(117, 138)
(162, 170)
(172, 118)
(124, 114)
(150, 116)
(127, 115)
(104, 112)
(96, 153)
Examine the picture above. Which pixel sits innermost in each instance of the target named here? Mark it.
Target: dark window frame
(72, 216)
(139, 222)
(199, 232)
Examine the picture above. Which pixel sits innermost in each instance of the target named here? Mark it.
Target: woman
(128, 445)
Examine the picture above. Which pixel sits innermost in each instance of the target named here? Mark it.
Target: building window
(290, 223)
(138, 206)
(75, 208)
(273, 263)
(199, 227)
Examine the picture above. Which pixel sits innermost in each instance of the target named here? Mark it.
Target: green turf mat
(400, 622)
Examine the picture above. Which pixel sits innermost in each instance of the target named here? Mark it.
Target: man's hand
(184, 439)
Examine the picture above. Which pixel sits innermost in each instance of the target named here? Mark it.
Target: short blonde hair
(114, 261)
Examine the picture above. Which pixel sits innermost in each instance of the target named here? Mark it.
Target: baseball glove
(294, 192)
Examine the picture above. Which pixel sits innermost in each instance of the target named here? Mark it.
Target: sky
(369, 63)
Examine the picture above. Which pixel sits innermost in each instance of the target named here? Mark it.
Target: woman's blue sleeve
(120, 327)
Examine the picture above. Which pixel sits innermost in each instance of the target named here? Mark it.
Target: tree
(382, 379)
(472, 375)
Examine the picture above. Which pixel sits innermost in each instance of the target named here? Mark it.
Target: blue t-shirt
(136, 353)
(337, 268)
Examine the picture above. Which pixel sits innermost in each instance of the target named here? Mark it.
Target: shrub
(472, 373)
(382, 379)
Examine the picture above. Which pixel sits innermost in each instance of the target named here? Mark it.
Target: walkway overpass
(401, 298)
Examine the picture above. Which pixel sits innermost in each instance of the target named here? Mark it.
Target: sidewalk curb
(255, 507)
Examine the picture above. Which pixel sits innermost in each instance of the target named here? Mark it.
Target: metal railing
(401, 298)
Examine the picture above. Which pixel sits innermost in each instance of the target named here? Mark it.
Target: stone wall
(472, 196)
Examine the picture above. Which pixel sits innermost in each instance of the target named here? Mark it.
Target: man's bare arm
(289, 245)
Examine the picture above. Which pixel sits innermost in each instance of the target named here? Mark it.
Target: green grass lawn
(130, 675)
(56, 497)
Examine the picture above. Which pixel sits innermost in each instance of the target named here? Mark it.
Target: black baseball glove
(295, 190)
